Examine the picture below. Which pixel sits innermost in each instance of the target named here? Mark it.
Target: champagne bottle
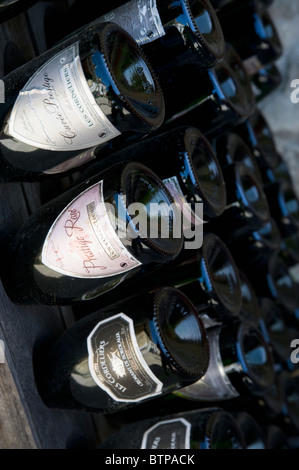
(94, 87)
(88, 240)
(258, 136)
(276, 438)
(118, 358)
(207, 275)
(271, 278)
(247, 207)
(186, 162)
(253, 434)
(173, 33)
(241, 365)
(225, 97)
(266, 81)
(275, 330)
(211, 428)
(250, 309)
(254, 35)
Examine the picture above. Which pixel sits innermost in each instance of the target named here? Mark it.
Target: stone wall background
(281, 114)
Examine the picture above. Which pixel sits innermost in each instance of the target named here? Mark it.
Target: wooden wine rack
(25, 421)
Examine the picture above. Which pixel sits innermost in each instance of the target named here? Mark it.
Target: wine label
(116, 363)
(189, 216)
(140, 18)
(214, 384)
(168, 434)
(82, 241)
(56, 109)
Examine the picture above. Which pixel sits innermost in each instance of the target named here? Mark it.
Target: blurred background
(283, 115)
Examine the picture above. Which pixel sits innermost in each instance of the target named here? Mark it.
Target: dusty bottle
(211, 428)
(88, 240)
(75, 99)
(118, 358)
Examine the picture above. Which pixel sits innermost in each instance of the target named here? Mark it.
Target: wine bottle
(288, 419)
(253, 434)
(266, 81)
(172, 33)
(241, 365)
(186, 162)
(211, 428)
(258, 136)
(247, 207)
(231, 148)
(257, 246)
(225, 98)
(88, 240)
(254, 35)
(250, 309)
(11, 8)
(118, 358)
(273, 325)
(276, 438)
(284, 207)
(271, 278)
(207, 275)
(94, 87)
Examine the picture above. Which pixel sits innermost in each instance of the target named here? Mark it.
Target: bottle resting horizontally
(82, 94)
(122, 357)
(211, 428)
(93, 237)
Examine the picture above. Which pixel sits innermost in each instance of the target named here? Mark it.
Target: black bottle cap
(134, 80)
(268, 236)
(140, 185)
(239, 151)
(223, 432)
(220, 274)
(200, 163)
(265, 140)
(289, 202)
(181, 333)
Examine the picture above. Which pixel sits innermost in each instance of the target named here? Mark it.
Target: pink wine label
(168, 434)
(56, 109)
(82, 241)
(116, 362)
(140, 18)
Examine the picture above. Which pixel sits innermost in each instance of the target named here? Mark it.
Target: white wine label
(189, 216)
(56, 109)
(140, 18)
(82, 241)
(168, 434)
(214, 384)
(116, 363)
